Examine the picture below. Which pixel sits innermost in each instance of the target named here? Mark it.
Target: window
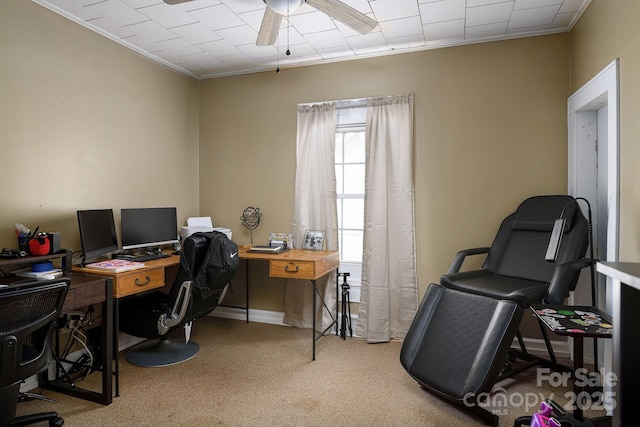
(350, 178)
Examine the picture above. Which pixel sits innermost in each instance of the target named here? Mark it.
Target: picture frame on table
(313, 239)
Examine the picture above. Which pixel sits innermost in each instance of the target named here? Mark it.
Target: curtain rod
(342, 104)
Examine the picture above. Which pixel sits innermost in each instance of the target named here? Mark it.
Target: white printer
(201, 224)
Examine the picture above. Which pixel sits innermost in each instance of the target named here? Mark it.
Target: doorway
(594, 174)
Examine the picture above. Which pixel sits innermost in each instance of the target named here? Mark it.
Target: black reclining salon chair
(207, 264)
(28, 313)
(461, 337)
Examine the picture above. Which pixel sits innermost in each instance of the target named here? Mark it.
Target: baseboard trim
(263, 316)
(260, 316)
(537, 347)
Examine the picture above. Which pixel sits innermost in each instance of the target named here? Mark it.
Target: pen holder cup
(23, 244)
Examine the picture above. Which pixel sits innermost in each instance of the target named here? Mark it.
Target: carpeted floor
(262, 375)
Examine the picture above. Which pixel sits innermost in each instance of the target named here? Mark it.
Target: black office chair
(28, 313)
(459, 344)
(208, 263)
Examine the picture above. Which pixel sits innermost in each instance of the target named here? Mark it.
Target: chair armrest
(564, 280)
(461, 255)
(166, 321)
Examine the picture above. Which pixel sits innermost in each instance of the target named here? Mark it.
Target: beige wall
(490, 130)
(609, 30)
(86, 123)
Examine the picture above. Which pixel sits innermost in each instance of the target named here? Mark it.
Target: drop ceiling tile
(167, 16)
(219, 48)
(201, 60)
(141, 44)
(401, 27)
(238, 60)
(571, 6)
(326, 39)
(241, 34)
(304, 50)
(217, 17)
(367, 43)
(111, 28)
(245, 5)
(197, 4)
(178, 47)
(532, 4)
(385, 10)
(137, 4)
(489, 14)
(313, 22)
(150, 32)
(444, 10)
(257, 52)
(486, 31)
(563, 20)
(117, 12)
(475, 3)
(527, 18)
(448, 30)
(253, 18)
(533, 30)
(196, 33)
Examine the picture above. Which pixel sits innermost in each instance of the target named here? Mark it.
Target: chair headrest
(540, 212)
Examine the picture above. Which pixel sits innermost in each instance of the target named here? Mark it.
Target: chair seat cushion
(139, 314)
(485, 282)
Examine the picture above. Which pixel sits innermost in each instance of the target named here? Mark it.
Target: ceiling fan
(277, 9)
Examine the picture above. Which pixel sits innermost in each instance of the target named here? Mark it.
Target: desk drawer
(292, 269)
(138, 281)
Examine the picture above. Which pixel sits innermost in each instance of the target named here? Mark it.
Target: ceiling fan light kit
(283, 7)
(335, 9)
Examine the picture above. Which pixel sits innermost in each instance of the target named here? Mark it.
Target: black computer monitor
(148, 227)
(97, 233)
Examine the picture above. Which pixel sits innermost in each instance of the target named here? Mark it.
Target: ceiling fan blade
(346, 14)
(175, 1)
(269, 28)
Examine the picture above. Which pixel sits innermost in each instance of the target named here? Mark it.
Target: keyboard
(140, 258)
(149, 257)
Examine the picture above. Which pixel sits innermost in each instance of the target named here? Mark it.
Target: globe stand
(251, 219)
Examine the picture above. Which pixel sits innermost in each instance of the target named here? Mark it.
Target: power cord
(70, 370)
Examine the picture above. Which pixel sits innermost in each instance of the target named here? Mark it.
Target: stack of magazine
(115, 265)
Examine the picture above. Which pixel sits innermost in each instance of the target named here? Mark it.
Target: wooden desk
(152, 276)
(126, 283)
(84, 291)
(299, 264)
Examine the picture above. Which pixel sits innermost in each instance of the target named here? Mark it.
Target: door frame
(600, 91)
